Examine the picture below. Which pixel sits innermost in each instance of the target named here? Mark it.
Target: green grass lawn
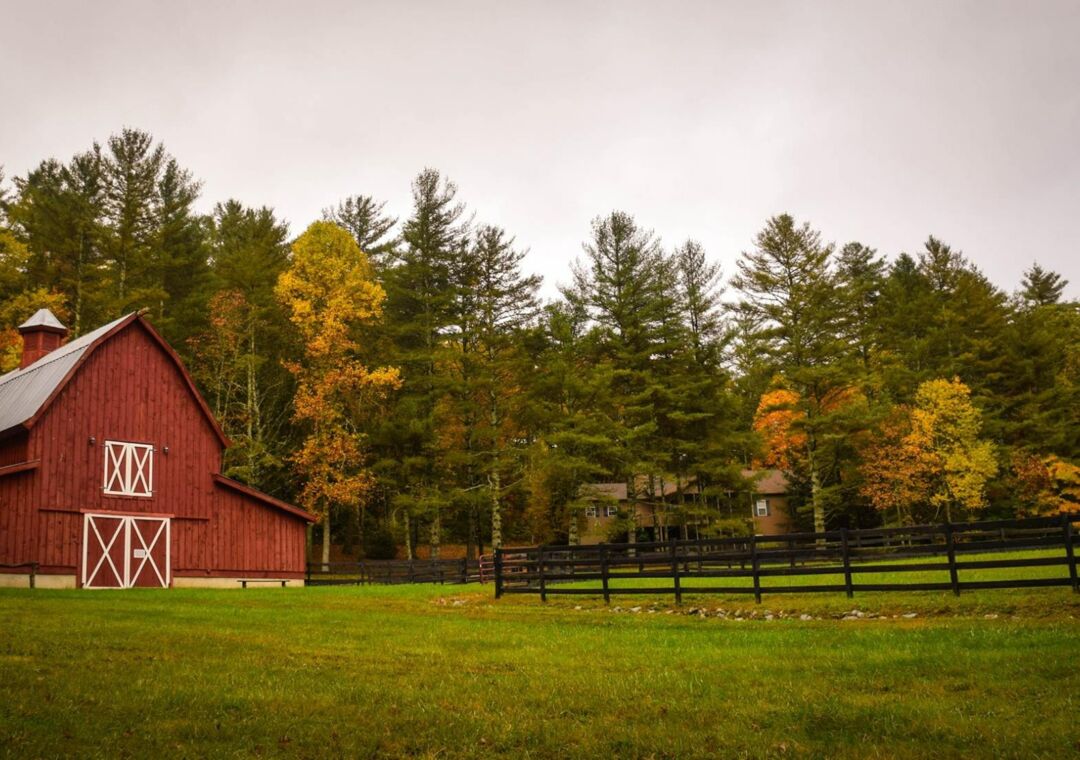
(448, 672)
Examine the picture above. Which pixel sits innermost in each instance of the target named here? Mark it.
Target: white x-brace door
(122, 551)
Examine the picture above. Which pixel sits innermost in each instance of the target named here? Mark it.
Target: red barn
(110, 471)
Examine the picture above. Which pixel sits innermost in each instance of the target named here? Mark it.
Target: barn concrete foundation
(22, 580)
(182, 582)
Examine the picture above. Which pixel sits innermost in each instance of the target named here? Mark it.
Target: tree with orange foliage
(895, 474)
(776, 421)
(1045, 484)
(329, 290)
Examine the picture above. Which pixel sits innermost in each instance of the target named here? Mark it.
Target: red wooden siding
(130, 390)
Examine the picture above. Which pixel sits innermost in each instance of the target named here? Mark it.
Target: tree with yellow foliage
(329, 291)
(946, 425)
(931, 455)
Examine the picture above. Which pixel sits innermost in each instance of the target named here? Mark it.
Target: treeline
(403, 378)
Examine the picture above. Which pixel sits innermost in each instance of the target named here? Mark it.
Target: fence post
(498, 573)
(754, 570)
(1070, 552)
(950, 547)
(675, 570)
(307, 574)
(847, 563)
(34, 569)
(604, 573)
(464, 570)
(540, 570)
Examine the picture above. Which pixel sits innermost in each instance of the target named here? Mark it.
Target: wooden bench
(245, 581)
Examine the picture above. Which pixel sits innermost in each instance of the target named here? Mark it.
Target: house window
(590, 511)
(761, 508)
(129, 469)
(611, 510)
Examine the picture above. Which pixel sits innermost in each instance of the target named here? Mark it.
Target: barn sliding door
(123, 551)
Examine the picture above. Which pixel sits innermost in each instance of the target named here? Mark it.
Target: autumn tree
(896, 476)
(931, 455)
(328, 291)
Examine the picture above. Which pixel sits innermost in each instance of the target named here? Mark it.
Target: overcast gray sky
(877, 122)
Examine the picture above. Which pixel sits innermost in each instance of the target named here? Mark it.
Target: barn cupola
(41, 334)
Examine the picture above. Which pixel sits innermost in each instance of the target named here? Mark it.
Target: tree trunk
(815, 487)
(436, 535)
(408, 535)
(326, 543)
(496, 510)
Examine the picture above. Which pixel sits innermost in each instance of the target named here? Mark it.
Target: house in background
(110, 471)
(657, 518)
(769, 502)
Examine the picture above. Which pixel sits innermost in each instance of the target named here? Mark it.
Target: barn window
(761, 508)
(612, 510)
(590, 511)
(129, 469)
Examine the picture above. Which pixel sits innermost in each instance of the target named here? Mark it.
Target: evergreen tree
(132, 167)
(180, 262)
(496, 303)
(58, 212)
(420, 309)
(1041, 287)
(363, 218)
(788, 287)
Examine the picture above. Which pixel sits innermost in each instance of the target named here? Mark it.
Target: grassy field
(448, 672)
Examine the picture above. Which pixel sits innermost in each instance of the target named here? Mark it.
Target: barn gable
(26, 394)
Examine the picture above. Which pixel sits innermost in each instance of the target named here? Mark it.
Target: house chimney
(41, 334)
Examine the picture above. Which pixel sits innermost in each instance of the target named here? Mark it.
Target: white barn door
(123, 551)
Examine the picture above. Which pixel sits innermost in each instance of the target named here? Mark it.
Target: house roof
(26, 393)
(766, 482)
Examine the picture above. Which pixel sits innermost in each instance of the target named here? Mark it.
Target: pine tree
(420, 309)
(363, 218)
(1041, 287)
(620, 288)
(788, 287)
(58, 212)
(180, 258)
(496, 302)
(132, 167)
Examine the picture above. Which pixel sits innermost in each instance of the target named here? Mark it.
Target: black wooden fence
(395, 571)
(591, 570)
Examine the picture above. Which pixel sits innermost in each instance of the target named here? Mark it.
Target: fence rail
(944, 548)
(394, 571)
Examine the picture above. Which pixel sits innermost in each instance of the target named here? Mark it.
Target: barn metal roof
(24, 391)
